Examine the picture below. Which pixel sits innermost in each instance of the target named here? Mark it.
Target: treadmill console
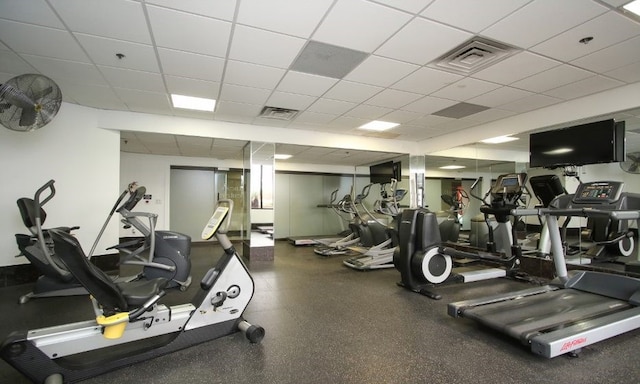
(598, 192)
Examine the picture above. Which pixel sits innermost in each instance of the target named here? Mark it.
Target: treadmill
(576, 309)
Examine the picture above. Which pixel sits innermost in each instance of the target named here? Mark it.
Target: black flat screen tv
(381, 173)
(592, 143)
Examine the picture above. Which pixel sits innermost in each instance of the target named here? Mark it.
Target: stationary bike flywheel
(432, 266)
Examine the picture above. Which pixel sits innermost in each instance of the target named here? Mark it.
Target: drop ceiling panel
(368, 112)
(465, 89)
(218, 9)
(412, 6)
(176, 30)
(346, 124)
(190, 65)
(314, 118)
(392, 98)
(376, 70)
(552, 78)
(126, 78)
(625, 53)
(541, 19)
(297, 18)
(369, 25)
(96, 96)
(492, 114)
(608, 29)
(192, 87)
(40, 41)
(185, 142)
(117, 19)
(263, 47)
(246, 95)
(12, 63)
(471, 15)
(245, 112)
(428, 121)
(290, 100)
(628, 74)
(329, 106)
(64, 69)
(426, 80)
(147, 102)
(305, 84)
(415, 42)
(584, 87)
(428, 105)
(499, 96)
(252, 75)
(38, 12)
(352, 92)
(515, 68)
(530, 103)
(400, 116)
(103, 51)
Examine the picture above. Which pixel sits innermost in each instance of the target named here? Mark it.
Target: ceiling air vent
(276, 113)
(472, 56)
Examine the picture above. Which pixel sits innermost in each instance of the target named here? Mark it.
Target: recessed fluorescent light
(499, 140)
(377, 125)
(190, 102)
(281, 156)
(633, 6)
(452, 167)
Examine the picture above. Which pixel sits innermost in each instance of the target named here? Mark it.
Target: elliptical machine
(55, 280)
(424, 261)
(131, 325)
(160, 253)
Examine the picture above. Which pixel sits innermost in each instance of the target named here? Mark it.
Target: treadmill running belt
(525, 317)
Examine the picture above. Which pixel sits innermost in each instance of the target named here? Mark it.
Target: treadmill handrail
(585, 212)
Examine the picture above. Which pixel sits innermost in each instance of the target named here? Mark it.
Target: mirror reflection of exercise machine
(131, 325)
(576, 309)
(424, 261)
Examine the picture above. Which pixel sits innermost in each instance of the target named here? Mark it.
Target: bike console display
(598, 192)
(509, 184)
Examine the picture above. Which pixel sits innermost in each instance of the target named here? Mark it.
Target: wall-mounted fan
(632, 163)
(28, 102)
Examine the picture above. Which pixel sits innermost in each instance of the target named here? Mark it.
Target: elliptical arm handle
(472, 193)
(36, 198)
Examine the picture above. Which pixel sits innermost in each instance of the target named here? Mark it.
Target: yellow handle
(114, 325)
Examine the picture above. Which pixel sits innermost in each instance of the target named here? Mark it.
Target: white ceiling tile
(516, 67)
(369, 25)
(465, 89)
(488, 115)
(428, 105)
(190, 65)
(127, 78)
(12, 63)
(552, 78)
(400, 116)
(297, 18)
(368, 111)
(346, 123)
(64, 69)
(625, 53)
(97, 96)
(430, 121)
(252, 75)
(262, 47)
(147, 102)
(415, 43)
(530, 103)
(218, 9)
(192, 87)
(607, 29)
(542, 19)
(193, 141)
(116, 19)
(376, 70)
(245, 95)
(314, 118)
(412, 6)
(186, 32)
(103, 51)
(352, 92)
(41, 41)
(471, 15)
(499, 96)
(305, 84)
(290, 100)
(3, 47)
(584, 87)
(328, 106)
(192, 113)
(236, 112)
(393, 98)
(37, 12)
(426, 80)
(628, 74)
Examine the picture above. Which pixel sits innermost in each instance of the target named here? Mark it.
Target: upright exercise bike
(131, 325)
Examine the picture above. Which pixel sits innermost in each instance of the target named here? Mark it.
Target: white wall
(84, 162)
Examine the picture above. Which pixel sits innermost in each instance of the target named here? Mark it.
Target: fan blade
(41, 93)
(16, 97)
(28, 117)
(634, 167)
(4, 106)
